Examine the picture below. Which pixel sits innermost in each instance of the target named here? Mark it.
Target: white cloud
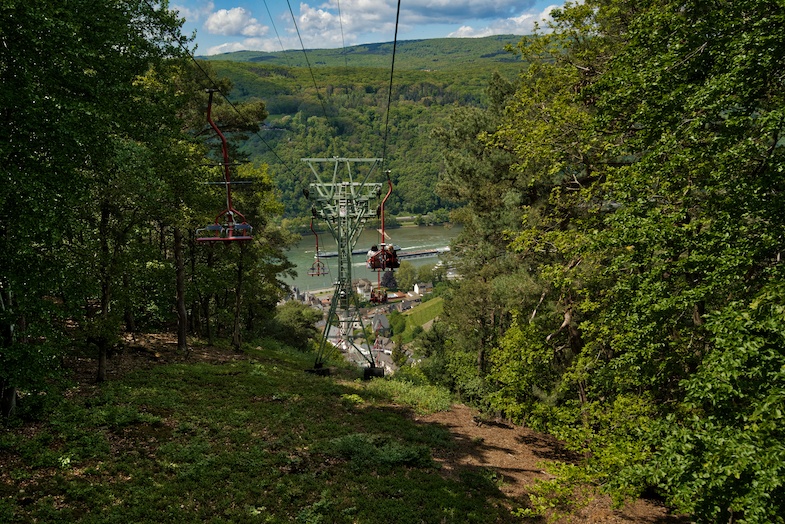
(324, 26)
(194, 13)
(519, 25)
(226, 48)
(234, 22)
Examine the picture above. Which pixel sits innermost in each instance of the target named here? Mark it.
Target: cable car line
(307, 61)
(214, 86)
(272, 22)
(343, 41)
(392, 72)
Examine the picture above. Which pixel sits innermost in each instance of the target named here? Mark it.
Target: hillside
(339, 107)
(249, 437)
(436, 53)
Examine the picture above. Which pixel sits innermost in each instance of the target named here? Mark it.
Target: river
(407, 238)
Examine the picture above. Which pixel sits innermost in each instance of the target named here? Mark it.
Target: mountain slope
(436, 53)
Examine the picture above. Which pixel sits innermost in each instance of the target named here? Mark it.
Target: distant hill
(429, 54)
(340, 108)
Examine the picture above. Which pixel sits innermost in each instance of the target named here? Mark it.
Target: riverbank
(409, 238)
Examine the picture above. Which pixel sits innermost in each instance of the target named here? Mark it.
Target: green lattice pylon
(344, 200)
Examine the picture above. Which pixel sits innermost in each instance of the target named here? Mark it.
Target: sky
(223, 26)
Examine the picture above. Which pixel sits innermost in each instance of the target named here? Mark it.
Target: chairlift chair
(386, 257)
(226, 229)
(379, 296)
(318, 268)
(229, 225)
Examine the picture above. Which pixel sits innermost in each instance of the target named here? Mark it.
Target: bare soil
(517, 455)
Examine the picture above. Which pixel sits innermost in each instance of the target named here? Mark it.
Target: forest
(339, 107)
(620, 184)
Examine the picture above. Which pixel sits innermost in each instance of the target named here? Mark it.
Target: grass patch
(420, 315)
(425, 312)
(246, 439)
(423, 398)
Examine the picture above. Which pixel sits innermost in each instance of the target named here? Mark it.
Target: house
(423, 288)
(380, 324)
(363, 286)
(406, 305)
(384, 345)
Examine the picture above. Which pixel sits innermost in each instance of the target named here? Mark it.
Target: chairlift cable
(343, 46)
(307, 61)
(215, 86)
(392, 72)
(272, 22)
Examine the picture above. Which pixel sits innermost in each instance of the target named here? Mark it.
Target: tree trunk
(102, 356)
(238, 294)
(208, 324)
(196, 312)
(128, 313)
(106, 287)
(182, 313)
(8, 398)
(7, 391)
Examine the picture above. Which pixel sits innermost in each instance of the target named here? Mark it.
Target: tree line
(622, 250)
(107, 165)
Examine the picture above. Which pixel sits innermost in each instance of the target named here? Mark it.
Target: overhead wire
(214, 84)
(272, 22)
(310, 69)
(343, 41)
(307, 61)
(392, 73)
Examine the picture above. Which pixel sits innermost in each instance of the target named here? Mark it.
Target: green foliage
(397, 322)
(624, 196)
(722, 456)
(560, 497)
(406, 276)
(378, 452)
(521, 370)
(295, 324)
(282, 445)
(408, 388)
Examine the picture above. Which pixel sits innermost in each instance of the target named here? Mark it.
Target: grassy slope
(425, 312)
(249, 440)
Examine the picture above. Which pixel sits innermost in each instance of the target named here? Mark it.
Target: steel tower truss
(344, 200)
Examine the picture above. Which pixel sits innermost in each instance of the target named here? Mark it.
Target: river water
(407, 238)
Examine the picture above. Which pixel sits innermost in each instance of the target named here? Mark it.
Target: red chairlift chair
(318, 268)
(379, 296)
(385, 258)
(230, 225)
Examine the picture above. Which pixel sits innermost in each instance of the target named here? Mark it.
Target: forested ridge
(621, 199)
(336, 104)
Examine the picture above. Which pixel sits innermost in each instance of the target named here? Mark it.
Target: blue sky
(266, 25)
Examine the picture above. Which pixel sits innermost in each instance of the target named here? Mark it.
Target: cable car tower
(344, 200)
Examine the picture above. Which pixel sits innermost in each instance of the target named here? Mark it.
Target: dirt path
(515, 454)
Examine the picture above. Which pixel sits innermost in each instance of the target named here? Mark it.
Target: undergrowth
(248, 439)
